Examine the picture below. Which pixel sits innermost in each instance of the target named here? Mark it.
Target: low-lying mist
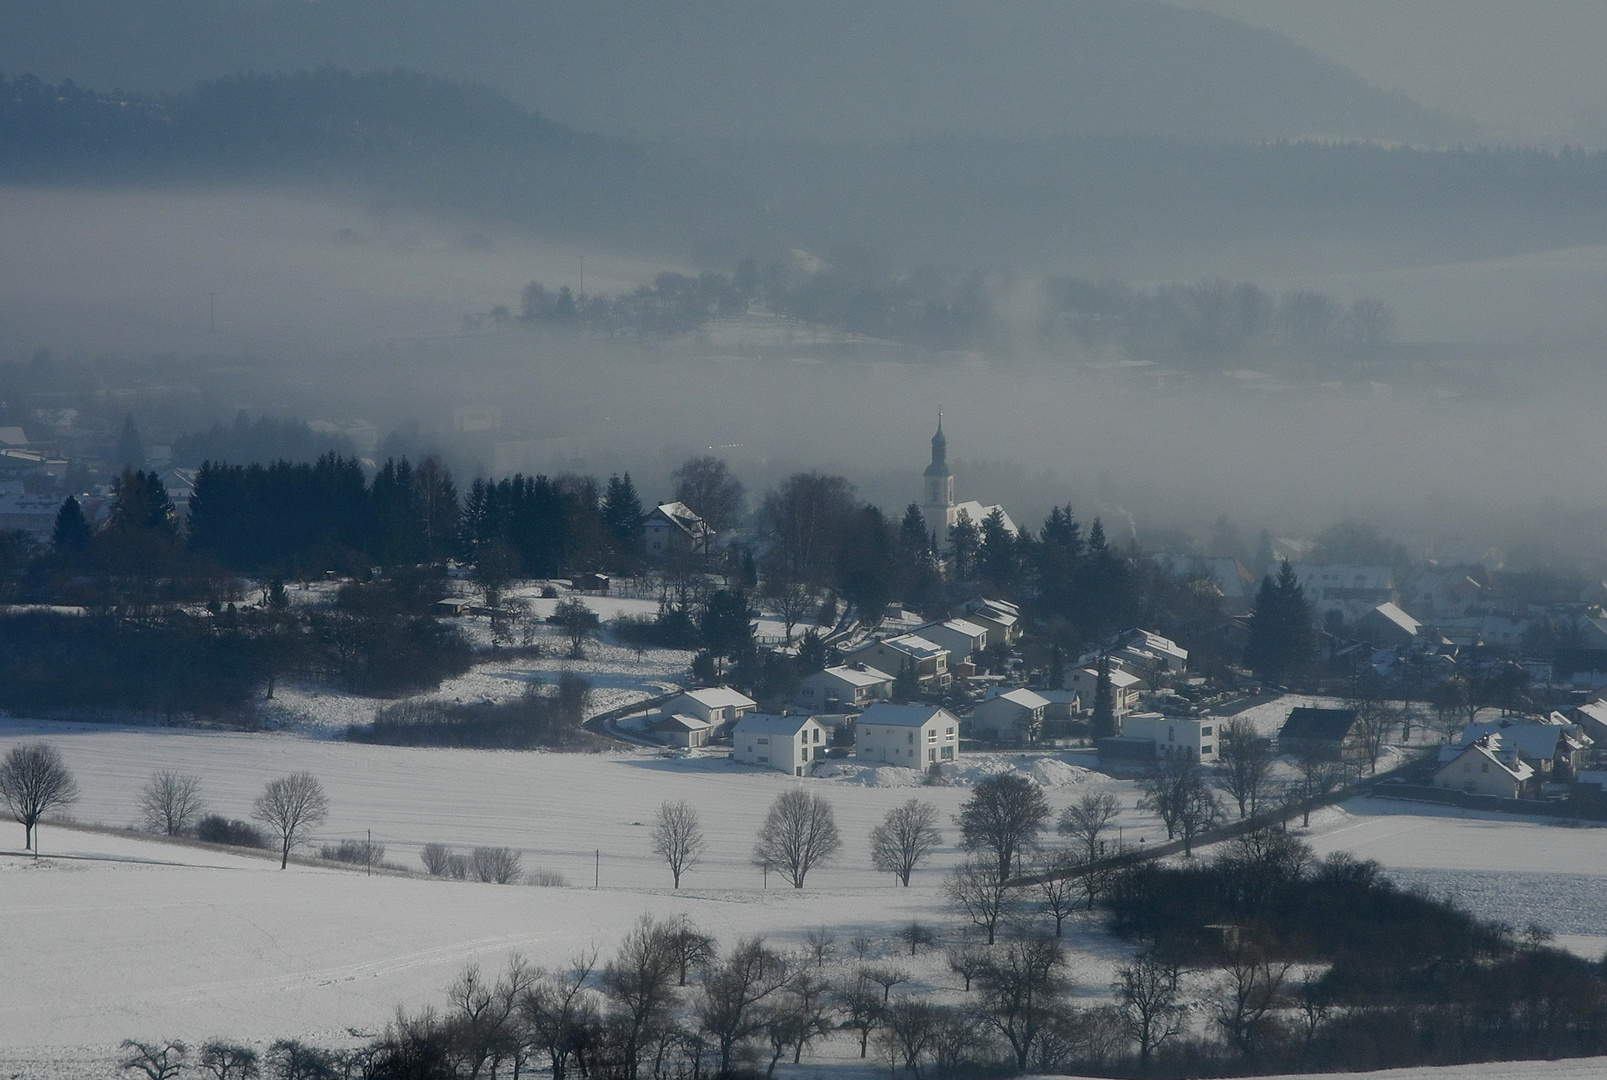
(291, 305)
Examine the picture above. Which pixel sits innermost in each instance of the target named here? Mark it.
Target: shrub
(496, 865)
(437, 859)
(551, 879)
(360, 852)
(217, 829)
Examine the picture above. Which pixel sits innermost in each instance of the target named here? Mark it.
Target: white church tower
(937, 504)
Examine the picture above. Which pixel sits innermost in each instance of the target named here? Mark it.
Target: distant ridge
(822, 69)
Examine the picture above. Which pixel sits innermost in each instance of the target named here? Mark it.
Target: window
(948, 753)
(1206, 749)
(817, 734)
(764, 758)
(765, 741)
(931, 755)
(1205, 731)
(931, 736)
(948, 733)
(911, 736)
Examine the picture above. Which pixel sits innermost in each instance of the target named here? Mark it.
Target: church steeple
(938, 496)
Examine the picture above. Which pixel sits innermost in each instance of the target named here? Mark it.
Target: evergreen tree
(140, 504)
(998, 555)
(964, 541)
(622, 513)
(811, 652)
(913, 539)
(1104, 702)
(1281, 635)
(907, 683)
(72, 532)
(727, 625)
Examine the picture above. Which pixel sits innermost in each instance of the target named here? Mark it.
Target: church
(937, 502)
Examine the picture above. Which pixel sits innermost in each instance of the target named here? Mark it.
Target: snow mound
(878, 776)
(1046, 771)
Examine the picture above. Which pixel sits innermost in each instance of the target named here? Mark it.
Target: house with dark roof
(1311, 730)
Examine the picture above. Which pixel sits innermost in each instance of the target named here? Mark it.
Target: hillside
(834, 69)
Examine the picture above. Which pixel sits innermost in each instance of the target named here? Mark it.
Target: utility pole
(368, 853)
(583, 275)
(597, 870)
(212, 312)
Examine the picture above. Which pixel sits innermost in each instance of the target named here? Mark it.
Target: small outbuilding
(680, 729)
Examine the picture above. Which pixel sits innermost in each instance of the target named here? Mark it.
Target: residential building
(789, 743)
(1124, 686)
(673, 529)
(849, 687)
(1190, 736)
(1061, 704)
(915, 736)
(682, 729)
(1002, 620)
(1142, 652)
(1351, 591)
(930, 660)
(1236, 584)
(963, 638)
(1484, 767)
(718, 706)
(1014, 717)
(1310, 730)
(1554, 748)
(1387, 624)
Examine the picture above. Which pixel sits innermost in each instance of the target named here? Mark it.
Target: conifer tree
(1281, 634)
(1104, 702)
(72, 532)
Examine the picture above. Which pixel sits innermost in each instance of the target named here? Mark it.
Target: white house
(1015, 716)
(1124, 686)
(931, 661)
(961, 637)
(915, 736)
(847, 688)
(718, 706)
(674, 529)
(1194, 736)
(681, 729)
(1350, 590)
(1142, 651)
(1000, 618)
(790, 743)
(1484, 767)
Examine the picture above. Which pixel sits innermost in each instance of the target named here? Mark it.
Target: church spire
(940, 450)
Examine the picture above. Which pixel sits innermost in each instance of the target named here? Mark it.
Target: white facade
(1124, 686)
(961, 637)
(937, 496)
(848, 687)
(790, 744)
(1194, 736)
(914, 736)
(931, 660)
(719, 706)
(1015, 716)
(682, 730)
(1485, 767)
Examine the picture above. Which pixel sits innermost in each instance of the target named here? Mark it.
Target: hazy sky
(1529, 69)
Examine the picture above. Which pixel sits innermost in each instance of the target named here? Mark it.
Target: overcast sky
(1525, 69)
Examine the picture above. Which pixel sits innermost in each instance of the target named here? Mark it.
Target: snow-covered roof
(684, 517)
(1023, 697)
(979, 513)
(912, 645)
(862, 675)
(1393, 614)
(13, 436)
(682, 722)
(1119, 679)
(1515, 768)
(902, 715)
(961, 626)
(717, 697)
(1534, 740)
(1060, 697)
(771, 724)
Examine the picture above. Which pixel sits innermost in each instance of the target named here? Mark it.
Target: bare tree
(678, 837)
(290, 806)
(1244, 764)
(34, 781)
(1059, 889)
(908, 1026)
(820, 944)
(1176, 790)
(496, 865)
(706, 485)
(733, 991)
(861, 1008)
(692, 948)
(1021, 989)
(640, 984)
(1376, 717)
(1004, 815)
(798, 834)
(1087, 820)
(917, 935)
(1149, 993)
(437, 860)
(1246, 997)
(885, 976)
(157, 1060)
(791, 598)
(1320, 773)
(577, 621)
(967, 962)
(559, 1010)
(170, 801)
(904, 839)
(229, 1061)
(979, 889)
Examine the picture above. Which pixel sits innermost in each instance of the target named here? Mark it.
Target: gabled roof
(1119, 679)
(771, 724)
(683, 517)
(1534, 740)
(716, 697)
(959, 626)
(1318, 725)
(1023, 697)
(859, 676)
(682, 722)
(912, 645)
(13, 436)
(902, 715)
(1517, 769)
(1392, 614)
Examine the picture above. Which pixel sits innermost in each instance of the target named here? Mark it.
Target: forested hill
(873, 70)
(457, 146)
